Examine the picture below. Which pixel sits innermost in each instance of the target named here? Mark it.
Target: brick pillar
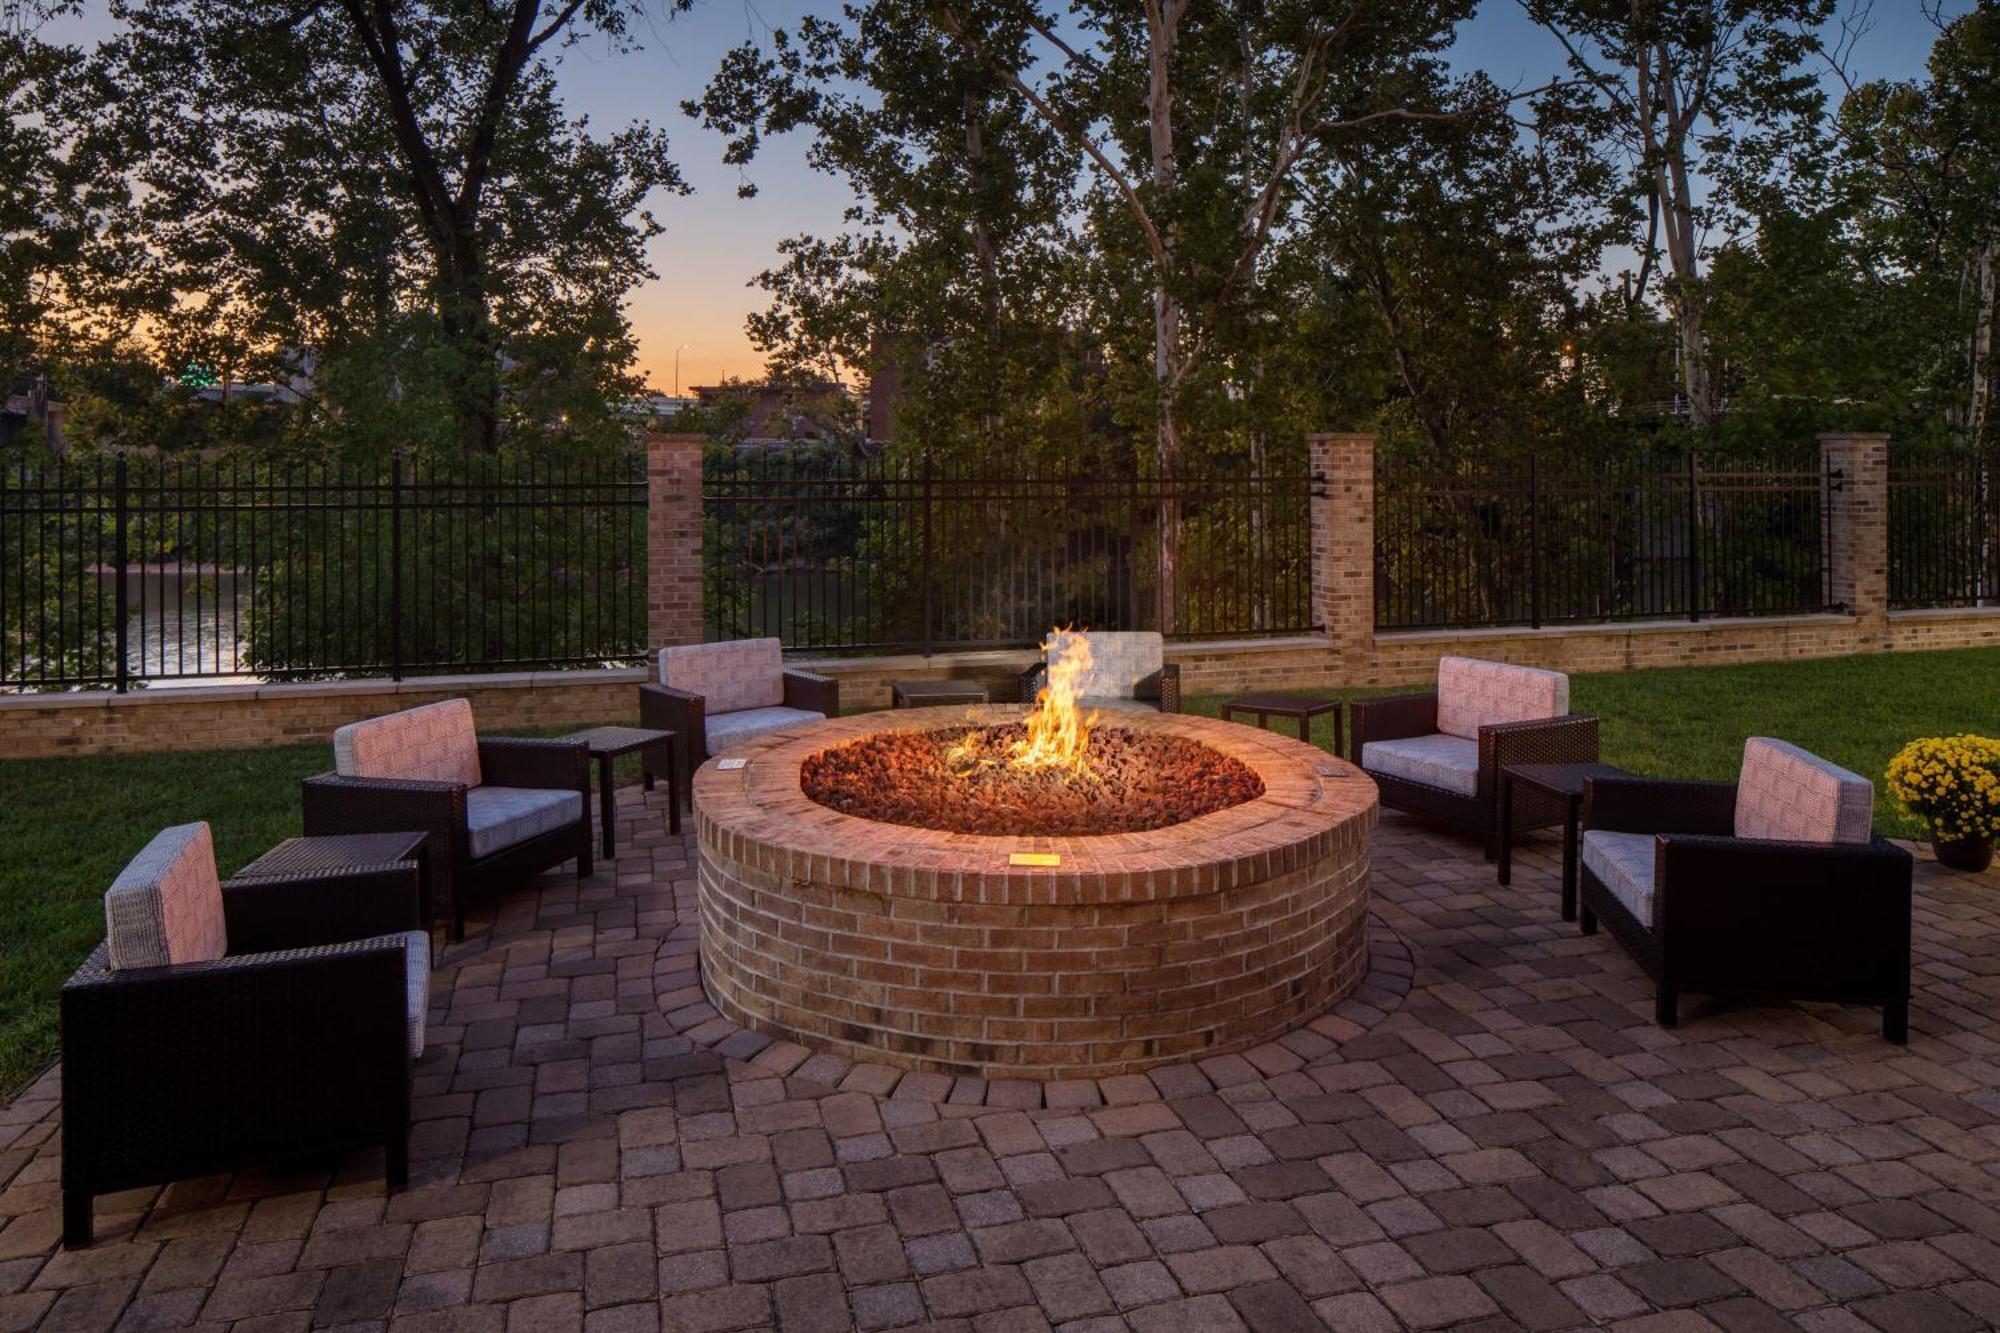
(673, 540)
(1343, 547)
(1858, 532)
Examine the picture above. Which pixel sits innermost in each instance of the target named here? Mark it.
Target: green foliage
(387, 208)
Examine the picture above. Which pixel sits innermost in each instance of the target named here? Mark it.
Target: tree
(1192, 128)
(1703, 101)
(390, 181)
(69, 280)
(1452, 256)
(956, 273)
(1922, 162)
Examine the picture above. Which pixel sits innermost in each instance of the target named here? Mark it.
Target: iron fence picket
(1944, 530)
(141, 570)
(877, 554)
(1538, 544)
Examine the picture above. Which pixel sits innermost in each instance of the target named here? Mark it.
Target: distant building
(655, 408)
(28, 413)
(775, 413)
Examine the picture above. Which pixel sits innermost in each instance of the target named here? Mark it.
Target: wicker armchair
(716, 695)
(1439, 755)
(497, 811)
(1772, 885)
(1127, 670)
(222, 1023)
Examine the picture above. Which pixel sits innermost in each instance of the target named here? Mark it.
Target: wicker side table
(340, 853)
(1566, 782)
(1299, 707)
(606, 744)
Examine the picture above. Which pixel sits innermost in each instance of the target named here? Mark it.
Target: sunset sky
(716, 243)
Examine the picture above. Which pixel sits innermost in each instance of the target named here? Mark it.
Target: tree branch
(1155, 245)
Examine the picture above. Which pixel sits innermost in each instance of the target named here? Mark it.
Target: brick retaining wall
(226, 717)
(238, 716)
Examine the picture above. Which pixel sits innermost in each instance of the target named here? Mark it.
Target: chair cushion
(1450, 762)
(1795, 796)
(729, 677)
(499, 817)
(1474, 694)
(417, 985)
(434, 743)
(165, 907)
(1624, 864)
(1118, 661)
(732, 729)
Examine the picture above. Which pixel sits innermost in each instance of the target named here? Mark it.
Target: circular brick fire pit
(941, 950)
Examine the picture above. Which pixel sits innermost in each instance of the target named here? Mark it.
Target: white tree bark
(1979, 414)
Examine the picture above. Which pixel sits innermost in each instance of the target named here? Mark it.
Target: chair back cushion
(434, 743)
(1793, 795)
(1474, 694)
(165, 907)
(1119, 660)
(729, 677)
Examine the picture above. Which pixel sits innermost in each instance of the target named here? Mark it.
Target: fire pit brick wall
(927, 949)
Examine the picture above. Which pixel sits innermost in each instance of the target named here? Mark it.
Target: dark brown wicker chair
(1754, 916)
(296, 1039)
(716, 695)
(1128, 669)
(464, 863)
(1559, 738)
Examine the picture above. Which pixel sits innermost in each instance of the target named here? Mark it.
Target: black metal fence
(1944, 530)
(119, 572)
(1655, 538)
(839, 552)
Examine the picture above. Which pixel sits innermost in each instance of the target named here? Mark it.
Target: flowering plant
(1952, 783)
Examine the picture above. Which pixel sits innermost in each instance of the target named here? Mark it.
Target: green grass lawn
(68, 825)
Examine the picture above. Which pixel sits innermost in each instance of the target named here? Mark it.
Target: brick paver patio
(1504, 1141)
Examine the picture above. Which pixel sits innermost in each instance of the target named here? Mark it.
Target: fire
(1059, 731)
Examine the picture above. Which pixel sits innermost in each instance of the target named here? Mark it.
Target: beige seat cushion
(434, 743)
(417, 985)
(1118, 660)
(1474, 694)
(1793, 795)
(165, 907)
(499, 817)
(1624, 863)
(729, 677)
(733, 729)
(1450, 762)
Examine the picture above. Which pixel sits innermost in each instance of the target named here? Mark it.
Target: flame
(1059, 731)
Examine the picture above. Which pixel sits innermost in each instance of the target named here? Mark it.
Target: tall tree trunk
(1979, 415)
(465, 314)
(1676, 195)
(983, 253)
(1166, 314)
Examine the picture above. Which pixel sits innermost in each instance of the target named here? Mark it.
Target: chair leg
(1667, 1006)
(79, 1229)
(396, 1154)
(645, 778)
(1896, 1022)
(1586, 921)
